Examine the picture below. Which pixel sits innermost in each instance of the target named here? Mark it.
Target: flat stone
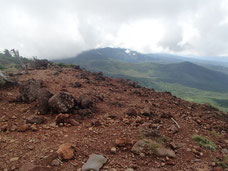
(165, 152)
(14, 159)
(35, 120)
(95, 162)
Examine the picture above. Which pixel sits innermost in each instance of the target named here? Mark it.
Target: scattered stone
(96, 123)
(14, 159)
(29, 90)
(142, 154)
(140, 147)
(83, 112)
(173, 146)
(62, 118)
(95, 163)
(76, 84)
(147, 112)
(121, 142)
(35, 120)
(24, 128)
(213, 164)
(113, 150)
(151, 133)
(55, 162)
(73, 122)
(173, 129)
(165, 152)
(66, 151)
(225, 151)
(34, 128)
(48, 160)
(62, 102)
(85, 102)
(131, 112)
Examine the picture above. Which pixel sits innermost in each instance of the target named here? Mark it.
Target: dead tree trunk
(17, 55)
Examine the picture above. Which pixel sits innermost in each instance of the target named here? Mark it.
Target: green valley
(186, 80)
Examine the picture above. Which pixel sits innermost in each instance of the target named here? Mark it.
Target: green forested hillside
(186, 80)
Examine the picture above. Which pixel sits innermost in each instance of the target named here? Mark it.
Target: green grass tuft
(204, 142)
(153, 145)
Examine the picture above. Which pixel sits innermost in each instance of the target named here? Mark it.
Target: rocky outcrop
(29, 90)
(62, 102)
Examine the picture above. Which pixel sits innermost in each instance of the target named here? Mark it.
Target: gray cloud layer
(62, 28)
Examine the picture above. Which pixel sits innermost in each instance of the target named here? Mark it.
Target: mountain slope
(110, 116)
(185, 73)
(184, 79)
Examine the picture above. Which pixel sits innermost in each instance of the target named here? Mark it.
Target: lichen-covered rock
(62, 102)
(140, 147)
(29, 90)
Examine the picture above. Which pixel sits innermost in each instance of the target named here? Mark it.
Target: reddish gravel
(110, 121)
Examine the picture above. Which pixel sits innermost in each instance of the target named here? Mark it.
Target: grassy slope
(150, 74)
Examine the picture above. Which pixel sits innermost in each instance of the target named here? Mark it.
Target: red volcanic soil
(122, 113)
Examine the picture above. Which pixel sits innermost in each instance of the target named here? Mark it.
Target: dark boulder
(42, 100)
(62, 102)
(85, 102)
(29, 90)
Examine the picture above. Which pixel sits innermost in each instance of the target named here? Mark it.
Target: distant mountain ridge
(163, 72)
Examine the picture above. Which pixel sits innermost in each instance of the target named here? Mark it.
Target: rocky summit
(65, 119)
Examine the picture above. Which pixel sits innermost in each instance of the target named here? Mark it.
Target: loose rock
(95, 162)
(165, 152)
(29, 90)
(62, 102)
(66, 151)
(42, 100)
(35, 120)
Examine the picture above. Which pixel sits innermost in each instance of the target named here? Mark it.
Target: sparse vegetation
(222, 162)
(153, 145)
(162, 139)
(216, 134)
(204, 142)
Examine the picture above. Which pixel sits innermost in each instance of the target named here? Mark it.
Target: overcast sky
(63, 28)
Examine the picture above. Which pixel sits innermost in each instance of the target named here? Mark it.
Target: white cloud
(62, 28)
